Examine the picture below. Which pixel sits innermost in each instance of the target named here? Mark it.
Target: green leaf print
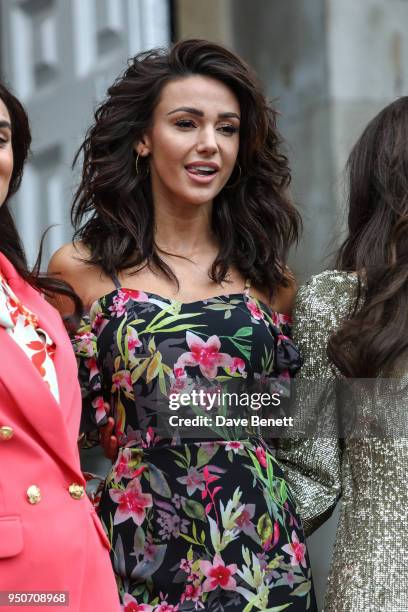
(171, 319)
(194, 509)
(138, 371)
(302, 589)
(219, 307)
(277, 608)
(246, 352)
(264, 527)
(158, 481)
(243, 332)
(163, 312)
(178, 328)
(204, 455)
(283, 491)
(139, 541)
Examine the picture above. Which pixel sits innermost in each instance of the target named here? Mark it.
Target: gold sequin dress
(369, 569)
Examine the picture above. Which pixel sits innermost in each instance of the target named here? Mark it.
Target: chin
(200, 196)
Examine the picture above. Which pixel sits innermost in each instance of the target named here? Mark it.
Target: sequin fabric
(369, 569)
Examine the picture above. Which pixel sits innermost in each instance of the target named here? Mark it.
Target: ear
(141, 147)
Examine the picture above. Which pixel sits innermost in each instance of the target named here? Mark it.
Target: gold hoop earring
(137, 166)
(238, 179)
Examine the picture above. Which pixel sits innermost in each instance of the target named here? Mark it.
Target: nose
(207, 141)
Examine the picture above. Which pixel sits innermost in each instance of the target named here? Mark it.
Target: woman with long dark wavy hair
(351, 325)
(52, 549)
(184, 223)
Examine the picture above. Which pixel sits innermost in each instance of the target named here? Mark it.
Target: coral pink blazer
(50, 536)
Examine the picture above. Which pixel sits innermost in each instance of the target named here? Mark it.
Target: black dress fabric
(203, 524)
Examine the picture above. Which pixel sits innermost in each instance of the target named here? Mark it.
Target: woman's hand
(108, 441)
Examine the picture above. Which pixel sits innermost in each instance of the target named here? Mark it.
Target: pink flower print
(150, 551)
(85, 344)
(296, 550)
(206, 355)
(280, 319)
(185, 565)
(292, 521)
(179, 381)
(132, 341)
(99, 322)
(238, 364)
(176, 501)
(172, 525)
(122, 379)
(135, 295)
(151, 439)
(100, 409)
(254, 309)
(218, 574)
(285, 375)
(123, 467)
(261, 456)
(289, 578)
(244, 520)
(130, 605)
(118, 307)
(233, 445)
(131, 503)
(92, 367)
(192, 592)
(122, 297)
(273, 539)
(194, 480)
(165, 607)
(194, 577)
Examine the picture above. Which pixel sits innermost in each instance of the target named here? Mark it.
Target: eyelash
(3, 141)
(228, 130)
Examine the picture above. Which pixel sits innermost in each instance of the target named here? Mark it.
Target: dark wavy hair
(375, 337)
(10, 242)
(253, 217)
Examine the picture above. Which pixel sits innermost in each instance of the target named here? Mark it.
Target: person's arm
(68, 263)
(313, 466)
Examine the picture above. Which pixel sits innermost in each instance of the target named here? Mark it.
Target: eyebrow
(5, 124)
(199, 113)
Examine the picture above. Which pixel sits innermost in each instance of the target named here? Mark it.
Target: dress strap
(115, 281)
(247, 287)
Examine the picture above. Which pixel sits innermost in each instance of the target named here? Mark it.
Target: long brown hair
(10, 242)
(253, 217)
(375, 336)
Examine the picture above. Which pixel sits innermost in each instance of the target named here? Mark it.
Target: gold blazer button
(76, 491)
(6, 432)
(34, 494)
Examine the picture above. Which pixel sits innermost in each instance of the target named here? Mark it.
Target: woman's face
(194, 142)
(6, 152)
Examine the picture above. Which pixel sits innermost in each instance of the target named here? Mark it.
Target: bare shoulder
(70, 263)
(70, 258)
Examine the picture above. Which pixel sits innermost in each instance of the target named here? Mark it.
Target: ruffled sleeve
(287, 356)
(84, 342)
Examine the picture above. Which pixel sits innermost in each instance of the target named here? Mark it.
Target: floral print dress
(198, 524)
